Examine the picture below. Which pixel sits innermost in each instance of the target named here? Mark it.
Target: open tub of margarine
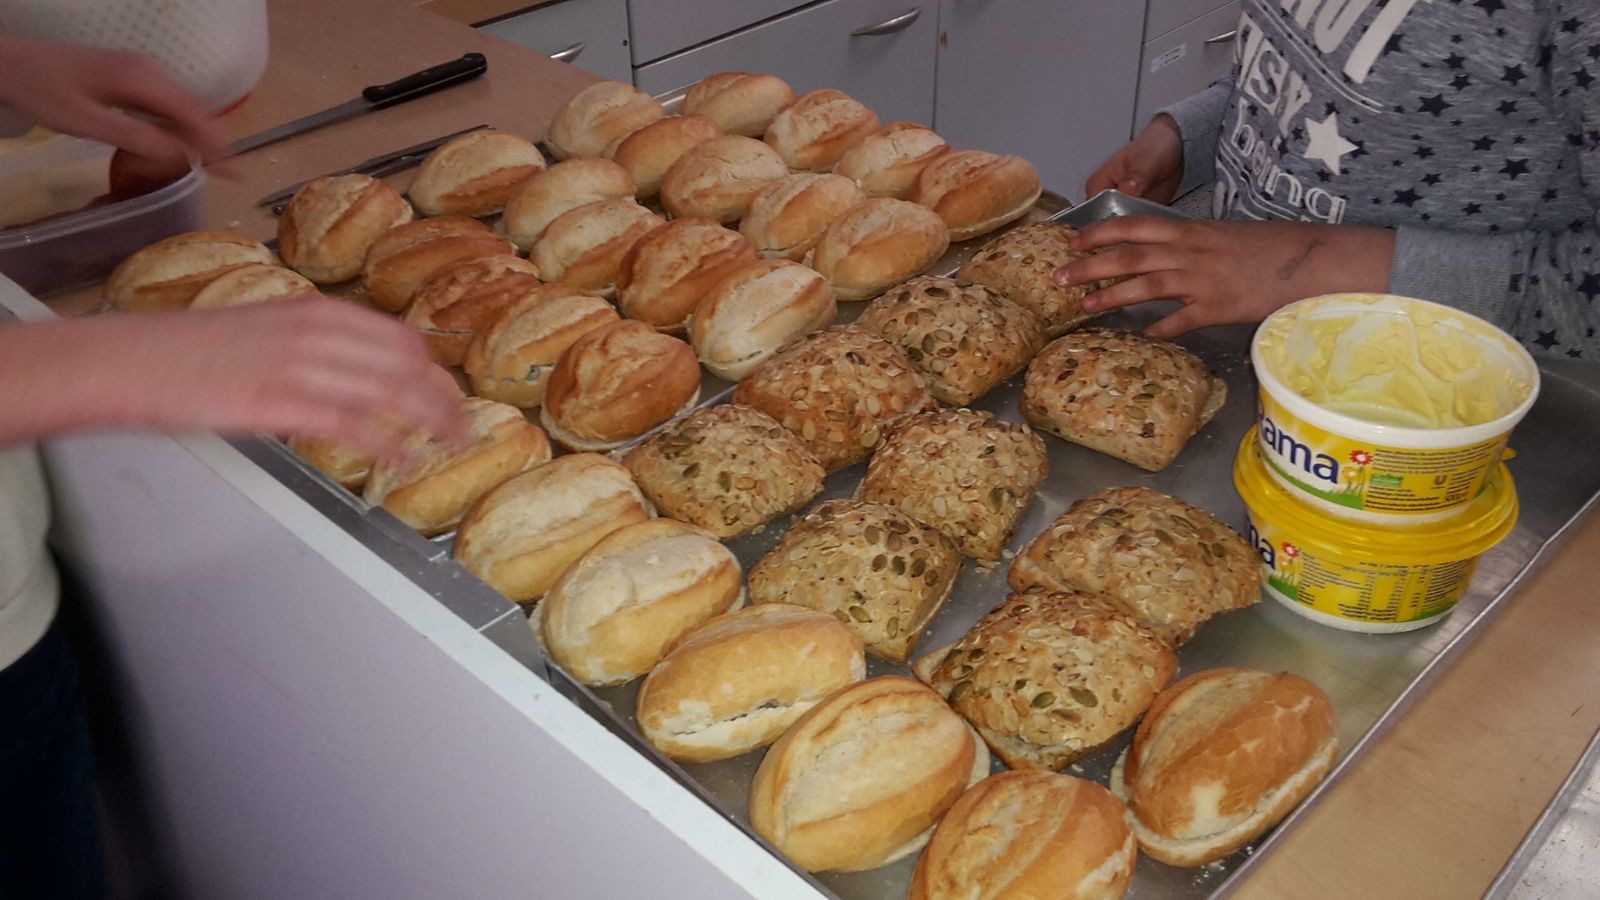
(1361, 577)
(1386, 409)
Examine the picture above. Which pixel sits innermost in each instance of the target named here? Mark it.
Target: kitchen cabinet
(663, 27)
(588, 33)
(1185, 60)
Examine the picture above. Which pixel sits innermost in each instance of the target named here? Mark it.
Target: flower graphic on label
(1356, 475)
(1361, 457)
(1290, 564)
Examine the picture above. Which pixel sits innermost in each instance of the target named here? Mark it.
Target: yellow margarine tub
(1386, 409)
(1359, 577)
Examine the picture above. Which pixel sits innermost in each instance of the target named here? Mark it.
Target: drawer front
(814, 48)
(1183, 62)
(590, 34)
(663, 27)
(1165, 15)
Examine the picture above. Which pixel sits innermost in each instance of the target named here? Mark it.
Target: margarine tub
(1361, 577)
(1386, 409)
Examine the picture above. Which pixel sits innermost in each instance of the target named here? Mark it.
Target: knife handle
(427, 81)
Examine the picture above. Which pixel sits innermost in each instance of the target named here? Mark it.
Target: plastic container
(1360, 577)
(1414, 404)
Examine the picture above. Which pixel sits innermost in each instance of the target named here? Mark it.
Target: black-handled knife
(378, 96)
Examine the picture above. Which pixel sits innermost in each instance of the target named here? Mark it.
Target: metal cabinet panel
(664, 27)
(591, 34)
(1185, 61)
(1166, 15)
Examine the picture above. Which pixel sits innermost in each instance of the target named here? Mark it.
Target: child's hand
(1151, 166)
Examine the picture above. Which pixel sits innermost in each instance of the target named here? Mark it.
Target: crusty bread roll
(462, 299)
(787, 217)
(648, 153)
(347, 464)
(667, 271)
(511, 360)
(474, 174)
(717, 179)
(877, 245)
(975, 191)
(328, 226)
(404, 257)
(887, 162)
(255, 283)
(583, 248)
(812, 133)
(1029, 834)
(598, 115)
(1222, 756)
(167, 274)
(755, 311)
(562, 187)
(617, 382)
(522, 536)
(614, 614)
(861, 779)
(739, 102)
(1020, 265)
(736, 682)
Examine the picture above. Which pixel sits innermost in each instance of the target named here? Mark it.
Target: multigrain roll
(463, 299)
(787, 217)
(976, 192)
(755, 311)
(1019, 266)
(584, 248)
(403, 258)
(347, 464)
(813, 132)
(1221, 757)
(598, 115)
(667, 272)
(328, 225)
(474, 174)
(878, 244)
(512, 359)
(739, 102)
(887, 162)
(254, 283)
(718, 178)
(563, 187)
(648, 153)
(167, 274)
(617, 382)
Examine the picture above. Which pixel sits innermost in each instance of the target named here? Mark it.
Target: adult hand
(1150, 166)
(1225, 272)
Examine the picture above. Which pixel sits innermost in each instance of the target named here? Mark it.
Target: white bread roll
(403, 258)
(976, 192)
(328, 226)
(877, 245)
(818, 128)
(617, 382)
(598, 115)
(888, 161)
(739, 102)
(462, 299)
(717, 179)
(787, 217)
(668, 271)
(754, 312)
(561, 188)
(648, 153)
(584, 248)
(474, 174)
(512, 359)
(167, 274)
(255, 283)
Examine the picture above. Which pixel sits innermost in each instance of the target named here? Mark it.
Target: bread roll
(522, 536)
(755, 311)
(598, 115)
(564, 186)
(350, 465)
(717, 179)
(474, 174)
(167, 274)
(887, 162)
(255, 283)
(975, 191)
(1020, 266)
(812, 133)
(329, 225)
(787, 217)
(1221, 757)
(511, 360)
(648, 153)
(404, 257)
(860, 780)
(617, 382)
(877, 245)
(667, 272)
(1029, 834)
(739, 102)
(613, 615)
(584, 248)
(462, 299)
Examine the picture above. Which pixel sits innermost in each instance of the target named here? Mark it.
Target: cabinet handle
(1223, 38)
(890, 26)
(569, 54)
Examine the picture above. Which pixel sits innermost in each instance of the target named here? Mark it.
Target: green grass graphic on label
(1340, 497)
(1283, 586)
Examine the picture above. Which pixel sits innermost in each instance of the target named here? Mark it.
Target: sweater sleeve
(1199, 119)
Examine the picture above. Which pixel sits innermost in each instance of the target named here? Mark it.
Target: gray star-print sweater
(1471, 126)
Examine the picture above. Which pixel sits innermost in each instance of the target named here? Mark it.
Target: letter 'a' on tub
(1386, 409)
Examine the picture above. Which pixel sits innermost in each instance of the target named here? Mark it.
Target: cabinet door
(663, 27)
(1053, 82)
(1186, 60)
(592, 34)
(891, 71)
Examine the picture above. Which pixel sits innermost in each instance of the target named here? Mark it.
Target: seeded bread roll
(962, 472)
(976, 192)
(878, 244)
(648, 153)
(474, 174)
(1121, 393)
(736, 682)
(817, 129)
(1018, 266)
(167, 274)
(1048, 678)
(328, 225)
(563, 187)
(718, 178)
(667, 272)
(254, 283)
(584, 248)
(755, 311)
(463, 299)
(1168, 565)
(874, 568)
(617, 382)
(403, 258)
(788, 216)
(860, 780)
(511, 360)
(888, 161)
(348, 464)
(598, 115)
(839, 391)
(727, 468)
(964, 338)
(739, 102)
(1221, 757)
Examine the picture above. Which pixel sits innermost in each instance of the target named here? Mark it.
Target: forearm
(64, 375)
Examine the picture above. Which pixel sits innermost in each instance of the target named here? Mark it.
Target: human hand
(1225, 272)
(1150, 166)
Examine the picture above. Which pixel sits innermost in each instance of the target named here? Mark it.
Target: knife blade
(384, 164)
(375, 97)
